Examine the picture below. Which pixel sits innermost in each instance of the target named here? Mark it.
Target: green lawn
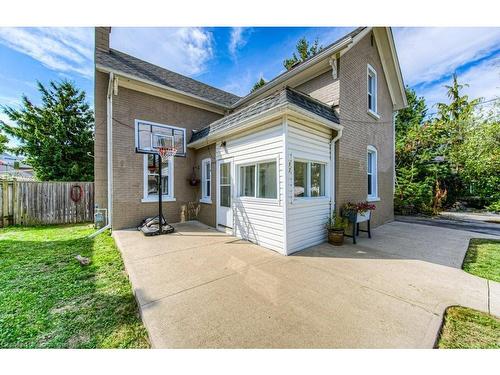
(47, 300)
(466, 328)
(483, 258)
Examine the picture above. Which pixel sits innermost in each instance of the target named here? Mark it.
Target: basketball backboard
(149, 135)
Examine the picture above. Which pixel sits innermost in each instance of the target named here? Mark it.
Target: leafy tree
(454, 155)
(305, 50)
(57, 136)
(261, 82)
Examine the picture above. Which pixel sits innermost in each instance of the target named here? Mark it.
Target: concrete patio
(199, 288)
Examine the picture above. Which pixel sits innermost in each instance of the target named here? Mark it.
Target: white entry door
(224, 201)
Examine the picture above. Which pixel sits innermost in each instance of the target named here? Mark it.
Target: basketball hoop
(166, 153)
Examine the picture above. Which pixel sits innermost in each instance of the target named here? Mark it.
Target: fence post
(5, 202)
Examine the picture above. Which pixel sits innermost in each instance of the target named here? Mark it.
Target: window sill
(164, 198)
(373, 114)
(206, 200)
(373, 199)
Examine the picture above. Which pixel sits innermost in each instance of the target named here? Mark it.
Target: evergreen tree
(261, 82)
(305, 51)
(57, 136)
(3, 142)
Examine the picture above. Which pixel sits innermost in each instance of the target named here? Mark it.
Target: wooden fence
(31, 203)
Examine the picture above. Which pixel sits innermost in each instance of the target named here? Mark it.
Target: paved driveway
(199, 288)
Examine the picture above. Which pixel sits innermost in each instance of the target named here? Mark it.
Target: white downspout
(333, 203)
(109, 142)
(109, 149)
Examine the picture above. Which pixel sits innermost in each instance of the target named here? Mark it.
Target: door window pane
(317, 180)
(267, 180)
(247, 181)
(225, 176)
(225, 196)
(300, 179)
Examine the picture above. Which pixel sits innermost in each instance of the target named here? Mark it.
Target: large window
(151, 176)
(258, 180)
(372, 90)
(372, 173)
(309, 179)
(206, 181)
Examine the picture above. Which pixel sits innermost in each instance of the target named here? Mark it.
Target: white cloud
(242, 84)
(184, 50)
(428, 54)
(483, 80)
(68, 50)
(9, 101)
(238, 39)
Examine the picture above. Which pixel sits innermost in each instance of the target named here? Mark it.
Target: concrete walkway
(199, 288)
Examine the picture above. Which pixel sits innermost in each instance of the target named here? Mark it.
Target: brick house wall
(207, 212)
(361, 130)
(128, 166)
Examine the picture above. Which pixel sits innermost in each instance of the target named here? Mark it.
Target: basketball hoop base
(150, 227)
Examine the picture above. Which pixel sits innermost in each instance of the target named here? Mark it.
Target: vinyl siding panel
(254, 219)
(306, 216)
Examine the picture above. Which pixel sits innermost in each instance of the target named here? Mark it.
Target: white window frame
(206, 198)
(170, 197)
(371, 72)
(255, 197)
(309, 179)
(374, 175)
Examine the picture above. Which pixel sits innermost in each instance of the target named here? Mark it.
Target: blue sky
(234, 58)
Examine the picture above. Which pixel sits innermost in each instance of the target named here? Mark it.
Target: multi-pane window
(372, 90)
(309, 179)
(372, 172)
(258, 180)
(206, 179)
(152, 173)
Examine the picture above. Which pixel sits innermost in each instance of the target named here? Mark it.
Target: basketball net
(166, 153)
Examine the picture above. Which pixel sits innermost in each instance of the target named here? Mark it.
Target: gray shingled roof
(122, 62)
(287, 95)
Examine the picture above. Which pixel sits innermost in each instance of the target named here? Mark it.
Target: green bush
(413, 196)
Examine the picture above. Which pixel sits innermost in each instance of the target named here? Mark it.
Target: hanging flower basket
(193, 180)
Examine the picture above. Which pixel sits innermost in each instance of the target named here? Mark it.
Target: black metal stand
(362, 230)
(356, 230)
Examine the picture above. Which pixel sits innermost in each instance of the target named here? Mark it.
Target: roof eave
(105, 69)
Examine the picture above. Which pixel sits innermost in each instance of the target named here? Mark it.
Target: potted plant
(336, 226)
(357, 212)
(350, 211)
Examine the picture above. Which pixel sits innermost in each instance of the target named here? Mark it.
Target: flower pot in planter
(363, 216)
(336, 237)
